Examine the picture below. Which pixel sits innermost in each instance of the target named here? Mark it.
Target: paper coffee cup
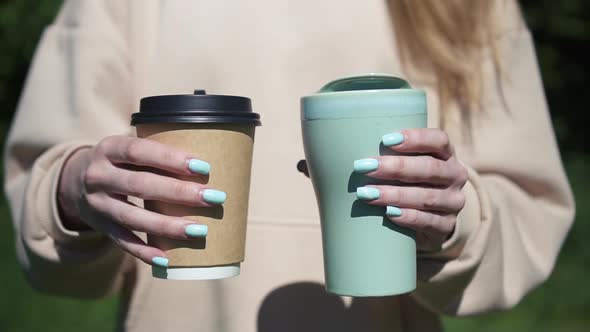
(219, 130)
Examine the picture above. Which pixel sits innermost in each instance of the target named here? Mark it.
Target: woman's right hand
(96, 181)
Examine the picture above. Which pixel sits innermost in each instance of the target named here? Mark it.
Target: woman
(490, 219)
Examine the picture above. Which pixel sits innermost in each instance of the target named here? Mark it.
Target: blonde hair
(447, 38)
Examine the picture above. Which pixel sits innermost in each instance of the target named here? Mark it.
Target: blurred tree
(21, 22)
(562, 31)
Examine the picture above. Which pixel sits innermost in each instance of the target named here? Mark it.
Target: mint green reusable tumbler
(365, 254)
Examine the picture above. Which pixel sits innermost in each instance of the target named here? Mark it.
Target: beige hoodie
(99, 58)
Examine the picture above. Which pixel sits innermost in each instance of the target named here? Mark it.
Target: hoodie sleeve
(76, 92)
(519, 204)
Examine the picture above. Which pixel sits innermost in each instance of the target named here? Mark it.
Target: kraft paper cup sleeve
(228, 148)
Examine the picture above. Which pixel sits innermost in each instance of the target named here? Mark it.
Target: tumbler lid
(360, 96)
(196, 108)
(371, 81)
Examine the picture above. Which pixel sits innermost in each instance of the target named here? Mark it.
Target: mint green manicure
(393, 211)
(367, 193)
(365, 165)
(214, 196)
(392, 139)
(160, 261)
(195, 230)
(199, 166)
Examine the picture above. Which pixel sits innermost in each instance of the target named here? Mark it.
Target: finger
(135, 246)
(422, 221)
(135, 218)
(429, 199)
(144, 152)
(420, 140)
(150, 186)
(409, 169)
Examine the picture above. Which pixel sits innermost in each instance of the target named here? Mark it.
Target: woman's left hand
(430, 197)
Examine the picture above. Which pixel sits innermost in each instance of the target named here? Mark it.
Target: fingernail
(367, 193)
(199, 166)
(196, 230)
(214, 196)
(365, 165)
(393, 211)
(392, 139)
(160, 261)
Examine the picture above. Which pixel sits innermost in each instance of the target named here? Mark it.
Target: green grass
(22, 309)
(562, 304)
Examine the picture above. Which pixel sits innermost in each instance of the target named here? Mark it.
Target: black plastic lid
(196, 108)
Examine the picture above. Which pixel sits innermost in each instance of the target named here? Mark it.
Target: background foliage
(561, 31)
